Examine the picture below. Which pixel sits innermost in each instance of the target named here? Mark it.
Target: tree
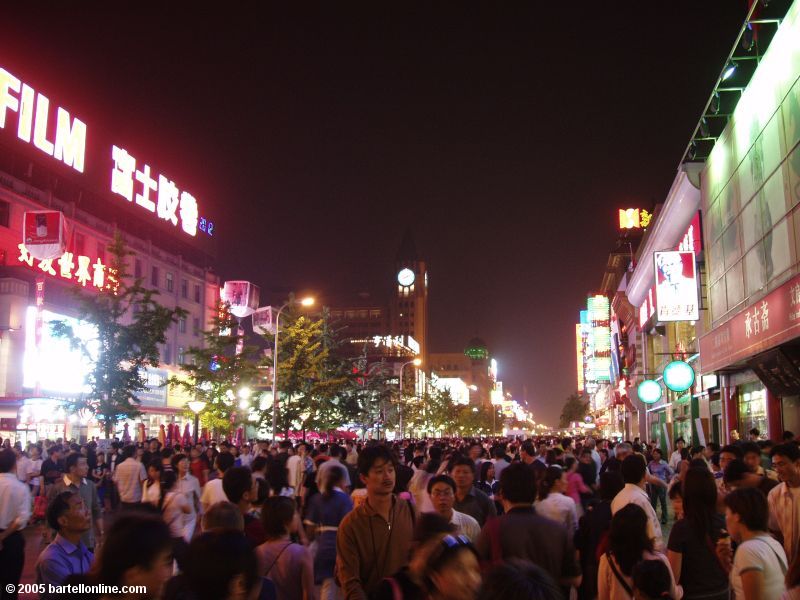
(216, 372)
(130, 325)
(575, 409)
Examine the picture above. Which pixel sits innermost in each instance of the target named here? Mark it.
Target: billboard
(599, 348)
(676, 286)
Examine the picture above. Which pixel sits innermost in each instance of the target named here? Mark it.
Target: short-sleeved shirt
(283, 563)
(326, 513)
(764, 554)
(701, 572)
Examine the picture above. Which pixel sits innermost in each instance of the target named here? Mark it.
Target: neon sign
(33, 109)
(76, 268)
(634, 218)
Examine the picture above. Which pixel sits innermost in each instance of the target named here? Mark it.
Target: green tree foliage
(575, 409)
(130, 325)
(215, 372)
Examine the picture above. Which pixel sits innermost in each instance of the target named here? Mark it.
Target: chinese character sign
(676, 286)
(76, 268)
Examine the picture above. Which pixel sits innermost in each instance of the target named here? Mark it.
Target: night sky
(506, 136)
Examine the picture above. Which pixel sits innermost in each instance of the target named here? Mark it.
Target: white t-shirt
(559, 508)
(763, 554)
(172, 509)
(465, 525)
(212, 493)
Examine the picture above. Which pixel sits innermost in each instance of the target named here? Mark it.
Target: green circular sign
(678, 376)
(649, 391)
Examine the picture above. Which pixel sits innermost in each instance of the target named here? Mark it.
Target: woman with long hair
(325, 513)
(486, 482)
(552, 502)
(174, 506)
(278, 479)
(692, 542)
(628, 545)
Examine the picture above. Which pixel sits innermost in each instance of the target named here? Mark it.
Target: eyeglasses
(442, 493)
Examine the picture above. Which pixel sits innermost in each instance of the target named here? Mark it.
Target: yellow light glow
(307, 301)
(417, 362)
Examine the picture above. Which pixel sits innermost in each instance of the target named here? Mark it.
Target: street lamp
(196, 406)
(308, 301)
(416, 362)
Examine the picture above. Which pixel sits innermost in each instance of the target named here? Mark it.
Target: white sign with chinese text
(676, 286)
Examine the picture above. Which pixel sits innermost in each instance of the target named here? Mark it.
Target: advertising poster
(676, 286)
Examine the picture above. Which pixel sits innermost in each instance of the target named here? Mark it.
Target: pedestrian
(374, 539)
(576, 488)
(784, 500)
(487, 482)
(652, 581)
(759, 566)
(634, 473)
(628, 544)
(287, 564)
(151, 490)
(15, 511)
(52, 468)
(213, 492)
(692, 541)
(69, 517)
(223, 515)
(521, 533)
(738, 474)
(469, 500)
(442, 490)
(189, 486)
(659, 468)
(75, 479)
(553, 503)
(677, 455)
(129, 477)
(241, 489)
(453, 571)
(325, 513)
(519, 580)
(174, 508)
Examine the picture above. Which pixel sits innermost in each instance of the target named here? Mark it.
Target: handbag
(39, 508)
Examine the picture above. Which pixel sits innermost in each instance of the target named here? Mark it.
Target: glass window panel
(752, 224)
(729, 202)
(730, 244)
(734, 285)
(713, 223)
(793, 164)
(715, 259)
(776, 250)
(791, 116)
(719, 305)
(754, 270)
(771, 145)
(775, 193)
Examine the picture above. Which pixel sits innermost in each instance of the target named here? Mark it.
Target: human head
(699, 497)
(67, 513)
(746, 509)
(8, 460)
(180, 462)
(76, 465)
(554, 481)
(786, 462)
(788, 436)
(259, 464)
(239, 485)
(652, 580)
(517, 484)
(223, 515)
(676, 498)
(453, 572)
(633, 469)
(277, 516)
(225, 461)
(475, 451)
(622, 451)
(462, 470)
(137, 551)
(154, 469)
(611, 484)
(680, 444)
(736, 473)
(517, 579)
(656, 454)
(671, 265)
(376, 470)
(754, 434)
(628, 537)
(487, 471)
(728, 453)
(752, 455)
(209, 578)
(442, 490)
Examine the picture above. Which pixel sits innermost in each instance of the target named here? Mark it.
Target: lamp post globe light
(196, 406)
(416, 362)
(308, 301)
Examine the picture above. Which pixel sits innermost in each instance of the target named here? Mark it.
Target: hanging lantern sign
(264, 320)
(678, 376)
(242, 296)
(44, 233)
(649, 391)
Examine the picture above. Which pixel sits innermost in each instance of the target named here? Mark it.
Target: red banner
(763, 325)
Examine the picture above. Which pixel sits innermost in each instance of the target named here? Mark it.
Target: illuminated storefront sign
(634, 218)
(676, 286)
(579, 355)
(68, 145)
(73, 267)
(599, 367)
(134, 181)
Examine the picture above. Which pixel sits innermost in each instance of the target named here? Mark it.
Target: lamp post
(303, 302)
(196, 406)
(416, 362)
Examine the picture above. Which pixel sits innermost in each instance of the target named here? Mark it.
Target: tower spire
(408, 249)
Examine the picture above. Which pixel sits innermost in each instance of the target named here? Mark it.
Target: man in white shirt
(336, 455)
(295, 468)
(442, 490)
(129, 477)
(784, 499)
(499, 461)
(246, 457)
(592, 445)
(189, 486)
(15, 510)
(23, 465)
(213, 492)
(675, 457)
(634, 473)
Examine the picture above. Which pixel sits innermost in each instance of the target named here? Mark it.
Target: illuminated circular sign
(678, 376)
(405, 277)
(649, 391)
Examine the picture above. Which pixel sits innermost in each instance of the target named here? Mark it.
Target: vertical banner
(37, 388)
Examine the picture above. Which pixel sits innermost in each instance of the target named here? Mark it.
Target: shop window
(170, 282)
(752, 409)
(184, 289)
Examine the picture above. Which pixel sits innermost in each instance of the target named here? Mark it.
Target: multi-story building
(62, 167)
(409, 304)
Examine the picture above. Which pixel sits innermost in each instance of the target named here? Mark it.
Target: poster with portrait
(676, 286)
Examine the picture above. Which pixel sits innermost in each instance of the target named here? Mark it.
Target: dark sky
(506, 136)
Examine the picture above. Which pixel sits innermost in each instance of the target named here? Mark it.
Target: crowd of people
(446, 519)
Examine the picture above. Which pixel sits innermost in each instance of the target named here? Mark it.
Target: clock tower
(409, 306)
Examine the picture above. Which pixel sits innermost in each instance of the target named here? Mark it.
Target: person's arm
(675, 559)
(603, 580)
(348, 564)
(753, 584)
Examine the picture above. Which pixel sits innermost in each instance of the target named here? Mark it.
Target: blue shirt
(661, 470)
(326, 513)
(61, 559)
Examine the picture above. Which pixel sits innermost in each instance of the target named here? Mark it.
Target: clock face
(405, 277)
